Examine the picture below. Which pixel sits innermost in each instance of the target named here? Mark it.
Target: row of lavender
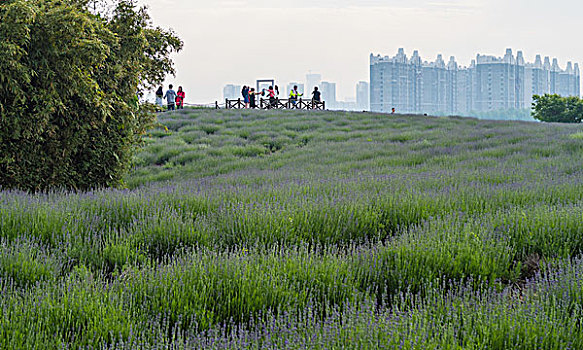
(106, 230)
(409, 232)
(545, 314)
(294, 295)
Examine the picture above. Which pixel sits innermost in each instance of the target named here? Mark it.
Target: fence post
(324, 105)
(227, 105)
(216, 104)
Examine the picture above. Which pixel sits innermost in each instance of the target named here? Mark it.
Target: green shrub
(69, 86)
(557, 109)
(188, 157)
(210, 129)
(26, 265)
(249, 151)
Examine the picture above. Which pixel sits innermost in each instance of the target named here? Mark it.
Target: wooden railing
(278, 104)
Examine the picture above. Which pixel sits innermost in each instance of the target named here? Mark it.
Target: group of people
(250, 96)
(174, 99)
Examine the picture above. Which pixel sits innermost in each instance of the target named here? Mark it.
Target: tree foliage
(557, 109)
(70, 79)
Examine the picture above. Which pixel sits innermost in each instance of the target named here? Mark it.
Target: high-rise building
(500, 82)
(536, 79)
(577, 73)
(232, 92)
(328, 91)
(392, 83)
(488, 84)
(466, 87)
(568, 81)
(433, 94)
(555, 72)
(312, 80)
(362, 96)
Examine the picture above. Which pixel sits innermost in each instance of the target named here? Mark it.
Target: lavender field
(295, 230)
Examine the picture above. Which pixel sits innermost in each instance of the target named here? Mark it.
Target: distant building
(328, 93)
(411, 85)
(466, 89)
(312, 80)
(348, 105)
(569, 81)
(500, 82)
(430, 87)
(555, 72)
(362, 96)
(232, 92)
(536, 79)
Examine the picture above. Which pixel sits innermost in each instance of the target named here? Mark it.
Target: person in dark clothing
(252, 95)
(317, 96)
(245, 93)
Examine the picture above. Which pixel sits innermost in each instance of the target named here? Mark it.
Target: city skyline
(312, 79)
(225, 41)
(316, 79)
(359, 101)
(456, 98)
(488, 83)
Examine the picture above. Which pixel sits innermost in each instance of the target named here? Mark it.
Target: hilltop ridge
(207, 142)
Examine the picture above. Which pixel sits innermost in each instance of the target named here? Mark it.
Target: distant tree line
(71, 73)
(557, 109)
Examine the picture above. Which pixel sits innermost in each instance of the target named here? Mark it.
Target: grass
(308, 230)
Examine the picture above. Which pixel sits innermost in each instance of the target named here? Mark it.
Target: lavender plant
(293, 230)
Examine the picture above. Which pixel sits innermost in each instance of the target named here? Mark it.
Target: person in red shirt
(180, 96)
(272, 97)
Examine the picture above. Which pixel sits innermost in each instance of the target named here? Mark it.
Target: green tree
(70, 78)
(557, 109)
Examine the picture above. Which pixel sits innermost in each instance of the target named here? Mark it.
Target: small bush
(249, 151)
(557, 109)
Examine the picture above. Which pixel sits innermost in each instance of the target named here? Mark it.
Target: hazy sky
(239, 41)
